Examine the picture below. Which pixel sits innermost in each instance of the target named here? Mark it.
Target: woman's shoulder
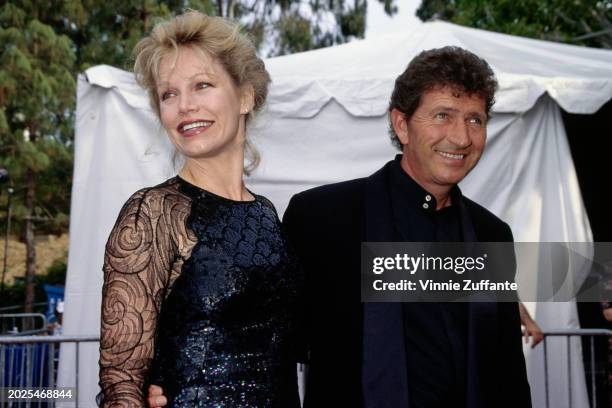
(160, 210)
(264, 200)
(156, 198)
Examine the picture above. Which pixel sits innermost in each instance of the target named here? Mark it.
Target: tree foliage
(37, 91)
(281, 27)
(104, 32)
(285, 27)
(575, 22)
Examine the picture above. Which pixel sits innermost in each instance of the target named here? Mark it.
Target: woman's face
(200, 107)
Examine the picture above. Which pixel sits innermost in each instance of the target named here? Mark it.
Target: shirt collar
(411, 193)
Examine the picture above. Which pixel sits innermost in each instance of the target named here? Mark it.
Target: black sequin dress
(199, 297)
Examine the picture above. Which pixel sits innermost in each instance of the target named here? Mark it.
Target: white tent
(325, 122)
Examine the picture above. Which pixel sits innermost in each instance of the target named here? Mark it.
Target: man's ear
(247, 99)
(400, 125)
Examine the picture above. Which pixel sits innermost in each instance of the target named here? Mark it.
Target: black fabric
(435, 334)
(326, 225)
(200, 298)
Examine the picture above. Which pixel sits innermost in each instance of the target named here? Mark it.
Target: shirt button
(427, 197)
(425, 205)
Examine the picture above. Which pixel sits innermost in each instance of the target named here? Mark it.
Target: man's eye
(475, 121)
(441, 115)
(202, 85)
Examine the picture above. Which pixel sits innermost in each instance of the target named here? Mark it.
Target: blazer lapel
(384, 377)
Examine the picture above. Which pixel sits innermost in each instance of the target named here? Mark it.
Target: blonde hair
(220, 38)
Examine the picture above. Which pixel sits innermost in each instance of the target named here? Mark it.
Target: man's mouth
(186, 126)
(453, 156)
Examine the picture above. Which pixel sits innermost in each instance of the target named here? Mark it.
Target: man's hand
(531, 327)
(607, 312)
(156, 397)
(533, 330)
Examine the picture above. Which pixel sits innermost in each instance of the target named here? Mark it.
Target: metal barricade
(17, 308)
(32, 361)
(21, 324)
(568, 334)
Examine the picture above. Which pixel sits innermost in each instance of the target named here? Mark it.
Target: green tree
(37, 90)
(575, 22)
(105, 32)
(288, 26)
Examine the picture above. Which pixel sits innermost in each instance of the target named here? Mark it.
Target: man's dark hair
(441, 67)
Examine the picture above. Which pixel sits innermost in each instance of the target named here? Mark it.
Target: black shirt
(435, 334)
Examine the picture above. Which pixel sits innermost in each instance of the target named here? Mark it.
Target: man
(413, 355)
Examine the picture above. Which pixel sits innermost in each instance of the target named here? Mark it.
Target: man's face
(444, 138)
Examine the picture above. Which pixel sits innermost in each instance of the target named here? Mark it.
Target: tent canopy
(579, 79)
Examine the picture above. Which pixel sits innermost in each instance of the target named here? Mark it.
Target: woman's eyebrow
(197, 74)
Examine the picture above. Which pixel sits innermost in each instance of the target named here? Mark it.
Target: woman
(198, 285)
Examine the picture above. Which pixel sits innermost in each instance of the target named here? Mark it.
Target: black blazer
(326, 226)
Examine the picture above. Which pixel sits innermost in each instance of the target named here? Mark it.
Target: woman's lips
(193, 127)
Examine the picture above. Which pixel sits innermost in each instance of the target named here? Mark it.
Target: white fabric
(326, 122)
(360, 75)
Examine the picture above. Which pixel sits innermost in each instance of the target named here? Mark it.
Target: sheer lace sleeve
(139, 262)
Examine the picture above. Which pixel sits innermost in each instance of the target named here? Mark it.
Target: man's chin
(454, 175)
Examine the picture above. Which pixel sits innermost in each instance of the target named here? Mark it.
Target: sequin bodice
(223, 312)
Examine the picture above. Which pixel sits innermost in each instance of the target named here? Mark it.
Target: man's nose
(459, 135)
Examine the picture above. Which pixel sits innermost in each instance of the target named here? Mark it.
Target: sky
(379, 23)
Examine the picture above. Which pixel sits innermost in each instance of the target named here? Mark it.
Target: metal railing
(21, 324)
(24, 360)
(568, 334)
(32, 361)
